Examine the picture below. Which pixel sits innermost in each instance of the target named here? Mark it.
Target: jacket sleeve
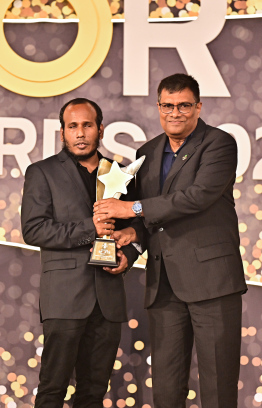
(215, 175)
(40, 226)
(130, 251)
(131, 254)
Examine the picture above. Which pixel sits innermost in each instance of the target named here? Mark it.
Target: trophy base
(104, 253)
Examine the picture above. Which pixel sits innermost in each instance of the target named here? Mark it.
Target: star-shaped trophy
(112, 181)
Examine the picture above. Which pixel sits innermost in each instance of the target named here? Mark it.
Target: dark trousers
(215, 325)
(88, 345)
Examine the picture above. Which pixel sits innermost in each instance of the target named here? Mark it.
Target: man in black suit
(82, 306)
(186, 219)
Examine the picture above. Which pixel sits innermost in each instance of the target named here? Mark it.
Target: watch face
(137, 207)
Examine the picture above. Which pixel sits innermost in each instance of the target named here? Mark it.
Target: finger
(100, 207)
(122, 260)
(97, 203)
(123, 241)
(102, 217)
(102, 203)
(106, 221)
(116, 235)
(113, 271)
(109, 227)
(111, 222)
(122, 264)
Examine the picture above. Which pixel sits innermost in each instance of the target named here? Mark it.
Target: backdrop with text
(116, 53)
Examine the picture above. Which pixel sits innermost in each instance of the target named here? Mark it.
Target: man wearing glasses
(185, 218)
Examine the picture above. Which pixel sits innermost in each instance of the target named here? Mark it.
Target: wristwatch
(137, 208)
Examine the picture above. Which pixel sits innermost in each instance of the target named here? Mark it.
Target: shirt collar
(167, 148)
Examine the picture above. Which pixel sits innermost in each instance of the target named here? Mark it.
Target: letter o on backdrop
(44, 79)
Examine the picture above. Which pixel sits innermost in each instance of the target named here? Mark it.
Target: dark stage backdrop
(224, 55)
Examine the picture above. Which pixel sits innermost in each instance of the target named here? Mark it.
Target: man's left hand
(113, 208)
(122, 264)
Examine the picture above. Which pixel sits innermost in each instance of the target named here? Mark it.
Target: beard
(81, 157)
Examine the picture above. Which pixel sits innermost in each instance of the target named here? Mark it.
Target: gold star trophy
(112, 181)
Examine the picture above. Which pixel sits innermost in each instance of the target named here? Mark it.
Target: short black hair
(177, 83)
(81, 101)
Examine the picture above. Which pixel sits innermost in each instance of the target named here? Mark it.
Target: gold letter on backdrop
(69, 71)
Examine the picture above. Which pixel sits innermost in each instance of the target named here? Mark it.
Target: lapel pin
(184, 157)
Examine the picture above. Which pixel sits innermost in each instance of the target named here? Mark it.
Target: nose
(175, 111)
(80, 131)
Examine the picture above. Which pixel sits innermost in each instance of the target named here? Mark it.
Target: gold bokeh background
(157, 8)
(238, 54)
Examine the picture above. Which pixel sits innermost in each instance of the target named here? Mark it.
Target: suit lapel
(154, 168)
(71, 169)
(186, 153)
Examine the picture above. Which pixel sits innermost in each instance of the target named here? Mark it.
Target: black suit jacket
(192, 224)
(57, 216)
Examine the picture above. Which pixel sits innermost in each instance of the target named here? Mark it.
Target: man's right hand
(124, 236)
(105, 227)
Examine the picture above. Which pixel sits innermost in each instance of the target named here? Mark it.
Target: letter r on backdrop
(21, 150)
(190, 39)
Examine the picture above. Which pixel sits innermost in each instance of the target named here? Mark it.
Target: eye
(185, 105)
(168, 105)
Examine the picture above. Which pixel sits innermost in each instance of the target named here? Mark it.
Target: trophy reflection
(112, 181)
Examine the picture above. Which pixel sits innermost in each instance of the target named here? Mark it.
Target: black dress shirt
(89, 179)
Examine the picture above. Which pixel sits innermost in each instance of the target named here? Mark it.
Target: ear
(158, 106)
(199, 106)
(62, 135)
(101, 132)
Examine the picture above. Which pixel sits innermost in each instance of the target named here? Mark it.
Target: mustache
(82, 142)
(66, 147)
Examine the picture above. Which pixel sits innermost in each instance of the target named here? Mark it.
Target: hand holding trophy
(112, 181)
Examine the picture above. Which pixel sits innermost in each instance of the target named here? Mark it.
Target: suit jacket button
(157, 257)
(161, 229)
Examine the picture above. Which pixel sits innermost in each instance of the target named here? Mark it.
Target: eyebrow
(76, 123)
(169, 103)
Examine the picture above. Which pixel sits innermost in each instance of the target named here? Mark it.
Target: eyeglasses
(184, 107)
